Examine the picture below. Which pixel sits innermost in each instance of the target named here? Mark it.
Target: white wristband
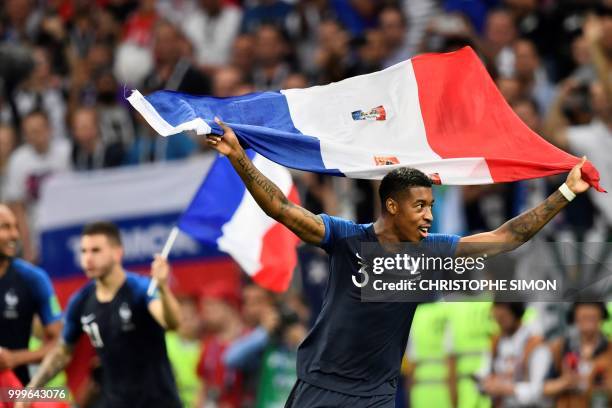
(567, 193)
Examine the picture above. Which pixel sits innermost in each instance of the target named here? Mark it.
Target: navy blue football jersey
(25, 291)
(356, 347)
(130, 343)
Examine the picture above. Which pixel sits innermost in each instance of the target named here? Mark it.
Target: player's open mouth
(424, 231)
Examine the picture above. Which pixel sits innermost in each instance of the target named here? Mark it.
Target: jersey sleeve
(336, 229)
(47, 306)
(443, 244)
(141, 287)
(72, 325)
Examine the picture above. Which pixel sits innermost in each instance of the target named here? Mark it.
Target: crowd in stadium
(66, 67)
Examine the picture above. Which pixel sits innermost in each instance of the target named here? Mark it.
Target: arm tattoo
(274, 202)
(253, 177)
(526, 225)
(55, 362)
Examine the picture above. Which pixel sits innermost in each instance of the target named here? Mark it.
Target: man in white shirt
(29, 164)
(212, 29)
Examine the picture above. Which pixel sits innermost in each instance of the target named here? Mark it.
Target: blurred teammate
(352, 355)
(25, 291)
(124, 325)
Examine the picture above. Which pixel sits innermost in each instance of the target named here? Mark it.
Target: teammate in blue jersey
(25, 292)
(352, 355)
(124, 324)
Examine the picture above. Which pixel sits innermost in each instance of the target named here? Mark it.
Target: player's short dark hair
(108, 229)
(399, 180)
(571, 314)
(516, 308)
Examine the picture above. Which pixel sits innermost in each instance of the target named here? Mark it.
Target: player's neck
(386, 231)
(107, 286)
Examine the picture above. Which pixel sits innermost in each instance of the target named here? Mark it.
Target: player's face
(9, 234)
(98, 256)
(413, 214)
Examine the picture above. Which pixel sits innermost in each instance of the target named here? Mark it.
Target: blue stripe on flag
(261, 120)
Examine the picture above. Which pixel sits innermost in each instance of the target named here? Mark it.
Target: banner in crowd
(146, 202)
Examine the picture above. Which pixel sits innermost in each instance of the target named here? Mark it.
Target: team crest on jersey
(385, 160)
(11, 300)
(374, 114)
(125, 313)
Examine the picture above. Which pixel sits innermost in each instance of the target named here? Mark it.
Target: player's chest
(115, 322)
(16, 301)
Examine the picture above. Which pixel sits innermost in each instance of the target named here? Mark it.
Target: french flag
(439, 113)
(224, 214)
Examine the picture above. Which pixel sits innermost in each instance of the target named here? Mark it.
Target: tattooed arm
(520, 229)
(53, 363)
(306, 225)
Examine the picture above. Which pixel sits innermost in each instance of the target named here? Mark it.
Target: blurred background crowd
(66, 67)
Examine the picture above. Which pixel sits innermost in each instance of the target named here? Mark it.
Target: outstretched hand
(574, 179)
(227, 144)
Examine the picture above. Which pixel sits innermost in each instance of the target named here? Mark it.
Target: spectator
(23, 20)
(172, 69)
(520, 361)
(227, 81)
(212, 28)
(29, 164)
(510, 88)
(393, 25)
(278, 363)
(531, 75)
(499, 35)
(89, 151)
(333, 56)
(116, 125)
(134, 56)
(42, 91)
(271, 50)
(582, 360)
(243, 55)
(223, 385)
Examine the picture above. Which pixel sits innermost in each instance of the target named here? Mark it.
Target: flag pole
(164, 254)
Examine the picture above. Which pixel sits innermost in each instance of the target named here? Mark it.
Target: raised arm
(520, 229)
(306, 225)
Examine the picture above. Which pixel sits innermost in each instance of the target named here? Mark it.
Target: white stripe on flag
(243, 234)
(352, 145)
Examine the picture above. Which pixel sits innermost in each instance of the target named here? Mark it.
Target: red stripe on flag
(466, 116)
(278, 256)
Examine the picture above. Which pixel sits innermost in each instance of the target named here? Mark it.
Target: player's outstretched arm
(53, 363)
(306, 225)
(520, 229)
